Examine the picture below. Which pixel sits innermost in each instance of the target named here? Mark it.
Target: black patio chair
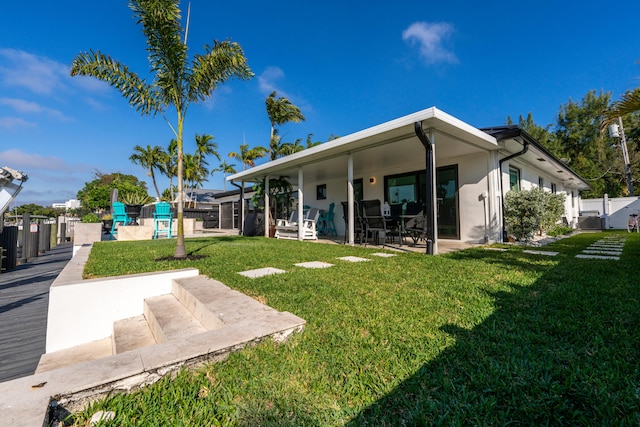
(376, 223)
(359, 226)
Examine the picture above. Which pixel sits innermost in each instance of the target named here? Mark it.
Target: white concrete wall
(616, 211)
(82, 311)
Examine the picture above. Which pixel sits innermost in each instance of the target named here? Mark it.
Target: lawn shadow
(563, 351)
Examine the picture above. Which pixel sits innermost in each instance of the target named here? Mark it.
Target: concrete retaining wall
(82, 311)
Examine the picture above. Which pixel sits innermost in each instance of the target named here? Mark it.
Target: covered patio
(370, 156)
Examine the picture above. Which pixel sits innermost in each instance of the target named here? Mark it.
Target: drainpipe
(240, 211)
(525, 148)
(430, 223)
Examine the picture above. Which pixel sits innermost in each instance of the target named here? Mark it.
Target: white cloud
(18, 159)
(267, 80)
(14, 122)
(430, 37)
(27, 107)
(39, 74)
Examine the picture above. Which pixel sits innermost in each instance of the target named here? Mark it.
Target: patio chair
(119, 215)
(359, 226)
(415, 228)
(162, 220)
(309, 227)
(376, 223)
(326, 222)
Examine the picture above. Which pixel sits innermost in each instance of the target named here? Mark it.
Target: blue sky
(347, 65)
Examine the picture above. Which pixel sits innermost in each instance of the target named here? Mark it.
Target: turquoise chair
(162, 220)
(326, 223)
(119, 215)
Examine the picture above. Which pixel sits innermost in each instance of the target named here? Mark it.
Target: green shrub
(559, 230)
(528, 211)
(90, 217)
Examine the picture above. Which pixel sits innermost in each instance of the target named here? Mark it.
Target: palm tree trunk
(181, 252)
(153, 178)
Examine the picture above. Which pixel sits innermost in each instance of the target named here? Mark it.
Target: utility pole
(617, 131)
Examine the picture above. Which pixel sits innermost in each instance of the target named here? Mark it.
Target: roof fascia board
(431, 117)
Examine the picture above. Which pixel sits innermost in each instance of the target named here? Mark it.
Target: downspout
(241, 210)
(430, 222)
(525, 148)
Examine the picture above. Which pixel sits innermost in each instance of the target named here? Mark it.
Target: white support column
(300, 203)
(494, 200)
(434, 202)
(350, 199)
(267, 210)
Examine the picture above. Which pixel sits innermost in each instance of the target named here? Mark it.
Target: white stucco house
(456, 172)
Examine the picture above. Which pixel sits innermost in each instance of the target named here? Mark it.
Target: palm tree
(149, 158)
(247, 156)
(629, 103)
(226, 169)
(204, 147)
(280, 111)
(170, 167)
(177, 82)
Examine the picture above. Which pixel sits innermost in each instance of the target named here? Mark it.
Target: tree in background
(280, 111)
(96, 194)
(150, 158)
(577, 138)
(226, 169)
(177, 82)
(205, 147)
(247, 156)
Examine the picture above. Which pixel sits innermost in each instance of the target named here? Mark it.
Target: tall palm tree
(226, 169)
(247, 156)
(280, 111)
(177, 82)
(150, 158)
(204, 147)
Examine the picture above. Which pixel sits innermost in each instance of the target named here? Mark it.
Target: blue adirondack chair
(162, 220)
(119, 215)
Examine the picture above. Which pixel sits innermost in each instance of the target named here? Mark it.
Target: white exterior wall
(529, 179)
(476, 215)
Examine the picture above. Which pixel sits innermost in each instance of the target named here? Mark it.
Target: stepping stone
(547, 253)
(586, 256)
(496, 249)
(383, 254)
(314, 264)
(260, 272)
(353, 259)
(602, 252)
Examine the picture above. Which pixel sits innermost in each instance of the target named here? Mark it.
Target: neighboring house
(470, 171)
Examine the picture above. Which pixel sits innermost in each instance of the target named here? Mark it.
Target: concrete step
(169, 320)
(216, 300)
(131, 334)
(78, 354)
(190, 294)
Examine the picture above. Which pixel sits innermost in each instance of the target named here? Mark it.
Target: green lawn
(475, 337)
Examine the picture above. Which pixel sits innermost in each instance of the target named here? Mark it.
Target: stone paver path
(607, 248)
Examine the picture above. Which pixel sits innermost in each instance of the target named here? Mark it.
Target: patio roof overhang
(386, 145)
(512, 138)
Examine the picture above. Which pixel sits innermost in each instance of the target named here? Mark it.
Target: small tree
(526, 212)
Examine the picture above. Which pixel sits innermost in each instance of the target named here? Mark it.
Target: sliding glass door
(409, 189)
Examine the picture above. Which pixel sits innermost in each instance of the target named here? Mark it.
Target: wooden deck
(24, 302)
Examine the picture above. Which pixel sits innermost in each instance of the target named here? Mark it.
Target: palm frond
(628, 103)
(142, 96)
(220, 63)
(161, 26)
